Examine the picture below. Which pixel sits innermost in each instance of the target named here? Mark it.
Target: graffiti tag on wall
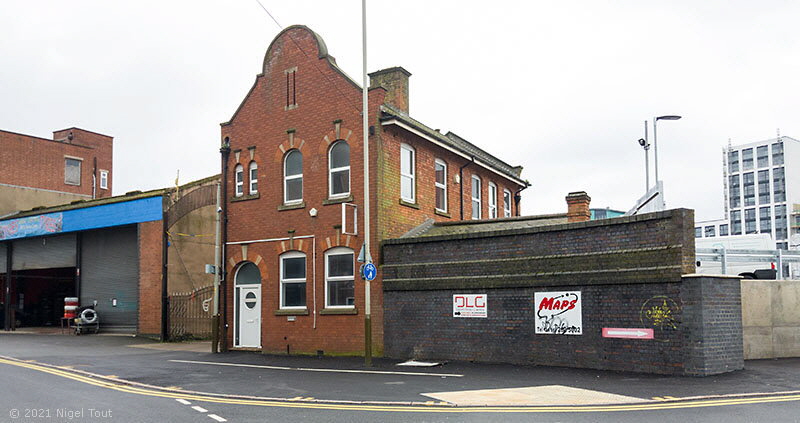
(660, 312)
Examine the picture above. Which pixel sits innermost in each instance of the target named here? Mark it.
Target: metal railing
(725, 256)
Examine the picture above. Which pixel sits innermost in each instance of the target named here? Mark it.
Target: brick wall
(39, 162)
(628, 270)
(262, 130)
(150, 243)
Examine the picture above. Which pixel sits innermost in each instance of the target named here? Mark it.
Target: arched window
(239, 174)
(293, 280)
(339, 278)
(476, 197)
(253, 178)
(248, 274)
(293, 177)
(339, 169)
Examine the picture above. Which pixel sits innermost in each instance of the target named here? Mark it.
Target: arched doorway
(247, 294)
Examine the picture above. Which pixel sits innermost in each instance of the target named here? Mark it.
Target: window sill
(340, 200)
(245, 197)
(295, 206)
(291, 312)
(339, 311)
(409, 204)
(441, 213)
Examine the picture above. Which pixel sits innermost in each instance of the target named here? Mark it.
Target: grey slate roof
(454, 141)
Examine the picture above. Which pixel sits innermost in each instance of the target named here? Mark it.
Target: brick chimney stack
(578, 207)
(395, 81)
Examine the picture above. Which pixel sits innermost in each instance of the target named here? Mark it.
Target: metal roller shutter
(110, 271)
(3, 256)
(44, 252)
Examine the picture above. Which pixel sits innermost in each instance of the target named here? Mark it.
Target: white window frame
(492, 200)
(331, 170)
(283, 282)
(506, 203)
(334, 252)
(440, 186)
(288, 178)
(80, 170)
(103, 179)
(238, 176)
(253, 180)
(476, 179)
(408, 176)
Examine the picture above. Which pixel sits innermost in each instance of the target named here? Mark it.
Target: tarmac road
(29, 386)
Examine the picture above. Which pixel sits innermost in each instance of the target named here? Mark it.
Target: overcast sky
(561, 88)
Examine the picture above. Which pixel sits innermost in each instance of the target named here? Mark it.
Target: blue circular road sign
(370, 271)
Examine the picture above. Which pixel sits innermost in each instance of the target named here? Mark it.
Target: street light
(655, 137)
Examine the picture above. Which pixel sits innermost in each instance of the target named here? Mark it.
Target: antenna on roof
(779, 133)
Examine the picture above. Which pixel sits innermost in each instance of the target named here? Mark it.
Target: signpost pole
(365, 121)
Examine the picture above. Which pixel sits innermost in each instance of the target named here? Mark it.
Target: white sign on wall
(558, 313)
(470, 305)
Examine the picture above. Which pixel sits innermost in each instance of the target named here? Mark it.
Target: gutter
(518, 197)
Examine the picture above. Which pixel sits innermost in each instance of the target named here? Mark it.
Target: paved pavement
(249, 374)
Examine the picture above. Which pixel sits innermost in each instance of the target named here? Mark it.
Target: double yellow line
(175, 394)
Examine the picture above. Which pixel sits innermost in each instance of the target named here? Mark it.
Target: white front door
(249, 321)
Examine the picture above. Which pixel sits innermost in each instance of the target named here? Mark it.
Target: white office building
(762, 192)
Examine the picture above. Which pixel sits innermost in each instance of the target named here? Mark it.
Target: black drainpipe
(518, 196)
(8, 309)
(461, 183)
(225, 153)
(164, 270)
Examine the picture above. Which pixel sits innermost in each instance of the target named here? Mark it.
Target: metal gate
(190, 314)
(110, 276)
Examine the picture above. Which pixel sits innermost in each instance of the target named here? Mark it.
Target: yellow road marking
(404, 408)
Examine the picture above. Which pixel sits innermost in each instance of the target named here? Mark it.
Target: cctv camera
(642, 142)
(219, 209)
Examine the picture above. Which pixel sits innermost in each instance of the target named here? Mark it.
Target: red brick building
(292, 163)
(75, 165)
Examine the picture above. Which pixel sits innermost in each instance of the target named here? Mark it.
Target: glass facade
(762, 155)
(763, 187)
(781, 227)
(733, 161)
(734, 191)
(765, 217)
(736, 222)
(750, 221)
(747, 159)
(779, 184)
(749, 189)
(777, 154)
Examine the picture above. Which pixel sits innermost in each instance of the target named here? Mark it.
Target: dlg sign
(470, 305)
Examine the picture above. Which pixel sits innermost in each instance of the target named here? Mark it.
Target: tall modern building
(761, 191)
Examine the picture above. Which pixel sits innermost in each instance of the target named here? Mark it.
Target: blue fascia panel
(103, 216)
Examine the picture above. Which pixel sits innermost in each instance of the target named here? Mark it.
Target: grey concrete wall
(19, 198)
(771, 318)
(191, 248)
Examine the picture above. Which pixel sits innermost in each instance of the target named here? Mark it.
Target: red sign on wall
(628, 333)
(470, 305)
